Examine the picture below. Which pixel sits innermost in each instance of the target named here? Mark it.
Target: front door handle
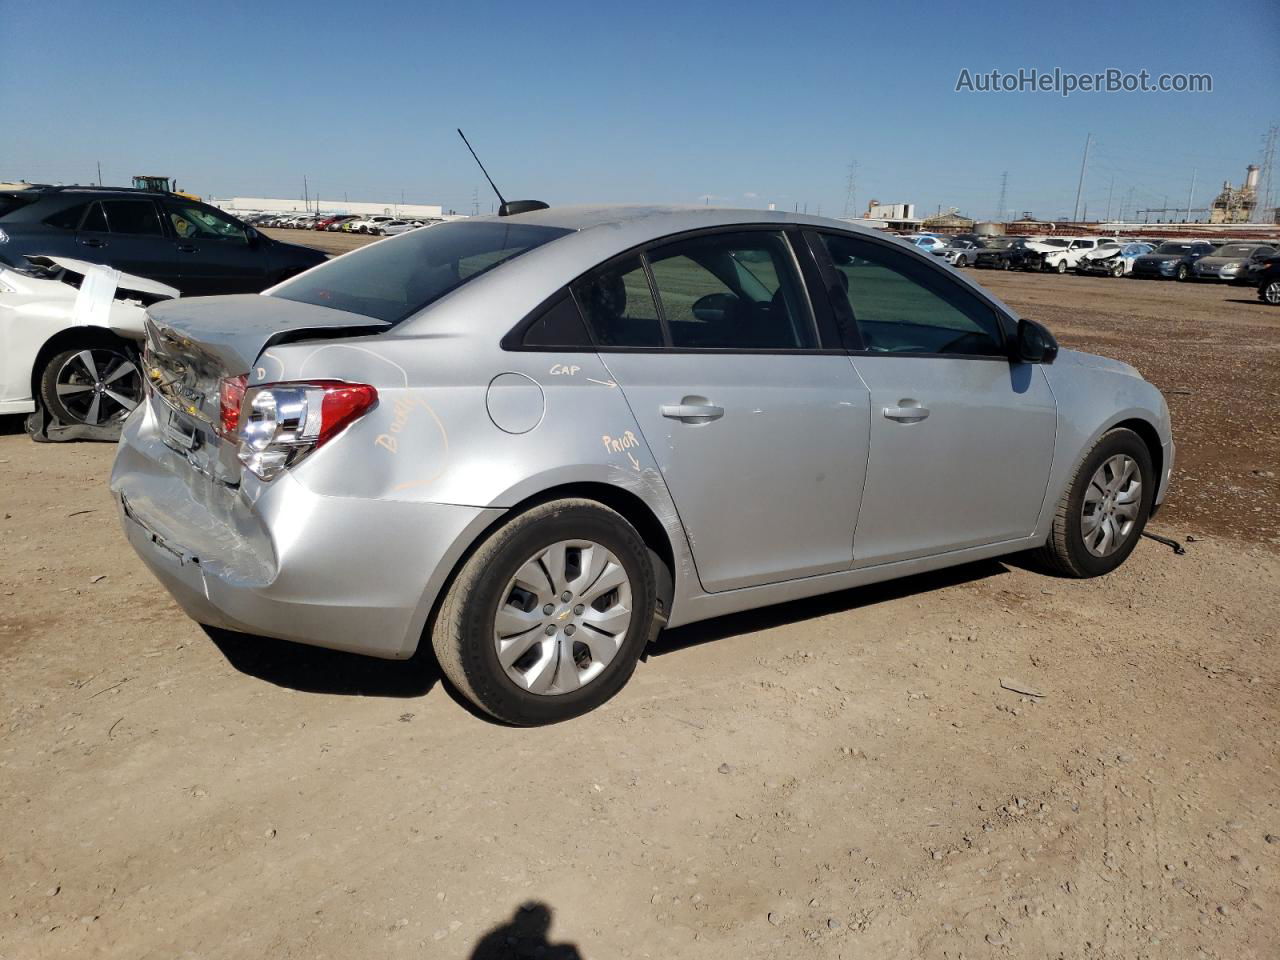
(92, 242)
(186, 248)
(692, 410)
(907, 411)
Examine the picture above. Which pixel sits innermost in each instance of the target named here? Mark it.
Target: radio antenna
(501, 199)
(505, 209)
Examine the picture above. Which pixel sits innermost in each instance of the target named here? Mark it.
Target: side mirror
(252, 236)
(1033, 343)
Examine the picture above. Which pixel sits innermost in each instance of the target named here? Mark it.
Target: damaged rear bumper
(348, 574)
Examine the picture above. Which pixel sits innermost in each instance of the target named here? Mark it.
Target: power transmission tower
(1264, 203)
(851, 189)
(475, 202)
(1004, 189)
(1084, 162)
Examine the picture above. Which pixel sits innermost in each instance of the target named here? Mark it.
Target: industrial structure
(1236, 204)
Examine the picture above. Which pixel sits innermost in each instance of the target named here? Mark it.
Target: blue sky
(746, 103)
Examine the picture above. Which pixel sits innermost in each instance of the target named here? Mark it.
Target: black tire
(1065, 552)
(462, 633)
(1269, 293)
(1184, 272)
(963, 261)
(74, 408)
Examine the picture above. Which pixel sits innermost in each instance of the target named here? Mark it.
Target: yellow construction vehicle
(160, 184)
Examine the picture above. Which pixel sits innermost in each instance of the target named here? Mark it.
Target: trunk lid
(191, 345)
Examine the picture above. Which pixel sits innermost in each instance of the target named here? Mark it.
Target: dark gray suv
(187, 244)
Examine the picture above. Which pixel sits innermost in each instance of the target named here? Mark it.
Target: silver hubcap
(1272, 292)
(562, 617)
(1111, 505)
(99, 386)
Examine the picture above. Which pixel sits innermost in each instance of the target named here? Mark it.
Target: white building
(246, 205)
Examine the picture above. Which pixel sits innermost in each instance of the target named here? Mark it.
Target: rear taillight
(280, 423)
(230, 397)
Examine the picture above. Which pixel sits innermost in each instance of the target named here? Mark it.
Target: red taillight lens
(230, 397)
(342, 403)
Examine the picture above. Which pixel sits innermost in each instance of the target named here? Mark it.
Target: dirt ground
(845, 777)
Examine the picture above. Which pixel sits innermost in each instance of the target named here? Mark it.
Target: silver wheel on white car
(1111, 504)
(96, 386)
(562, 617)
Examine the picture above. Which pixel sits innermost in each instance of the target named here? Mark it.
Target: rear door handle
(92, 242)
(692, 410)
(909, 411)
(186, 248)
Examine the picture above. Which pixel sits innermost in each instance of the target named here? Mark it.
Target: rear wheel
(547, 619)
(1104, 509)
(97, 385)
(1270, 293)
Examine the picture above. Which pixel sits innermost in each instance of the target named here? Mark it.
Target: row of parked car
(377, 226)
(1233, 262)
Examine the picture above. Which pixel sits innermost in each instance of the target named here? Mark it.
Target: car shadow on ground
(316, 670)
(765, 618)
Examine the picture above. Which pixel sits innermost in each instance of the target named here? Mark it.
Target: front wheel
(1104, 509)
(962, 261)
(1269, 292)
(1118, 270)
(1184, 273)
(1061, 266)
(548, 617)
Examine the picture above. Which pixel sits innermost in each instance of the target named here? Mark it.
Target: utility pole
(1110, 190)
(1004, 187)
(305, 199)
(850, 189)
(1190, 194)
(1080, 185)
(99, 173)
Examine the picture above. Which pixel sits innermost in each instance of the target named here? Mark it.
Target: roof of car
(664, 219)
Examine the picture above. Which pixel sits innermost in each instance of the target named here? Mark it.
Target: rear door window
(95, 220)
(67, 219)
(134, 217)
(735, 291)
(618, 305)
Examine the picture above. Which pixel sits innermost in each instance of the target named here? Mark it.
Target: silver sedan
(534, 441)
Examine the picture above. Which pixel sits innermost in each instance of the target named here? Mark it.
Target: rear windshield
(1174, 248)
(394, 279)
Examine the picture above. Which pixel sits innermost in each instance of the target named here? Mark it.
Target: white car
(1112, 261)
(69, 355)
(1062, 259)
(369, 224)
